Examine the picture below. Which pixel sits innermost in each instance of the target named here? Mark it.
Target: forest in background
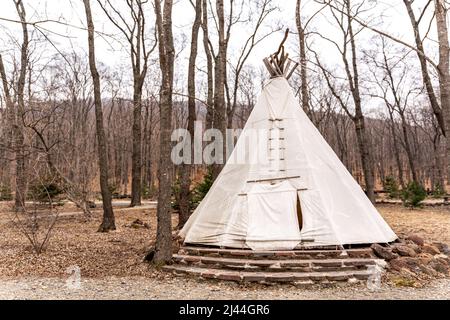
(73, 123)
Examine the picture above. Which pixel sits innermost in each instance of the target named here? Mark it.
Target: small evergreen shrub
(176, 187)
(413, 195)
(5, 193)
(438, 191)
(44, 192)
(390, 185)
(113, 189)
(202, 189)
(197, 194)
(148, 192)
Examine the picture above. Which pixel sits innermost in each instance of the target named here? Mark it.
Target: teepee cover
(302, 195)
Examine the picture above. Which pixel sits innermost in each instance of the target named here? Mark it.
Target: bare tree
(441, 11)
(345, 24)
(424, 63)
(263, 11)
(135, 34)
(163, 248)
(185, 170)
(441, 111)
(108, 222)
(220, 70)
(303, 61)
(8, 117)
(396, 92)
(209, 66)
(37, 224)
(19, 143)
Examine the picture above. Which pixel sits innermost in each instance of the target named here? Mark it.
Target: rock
(439, 265)
(425, 258)
(442, 258)
(397, 265)
(383, 252)
(428, 270)
(413, 246)
(442, 247)
(404, 251)
(91, 204)
(137, 224)
(405, 263)
(431, 249)
(416, 239)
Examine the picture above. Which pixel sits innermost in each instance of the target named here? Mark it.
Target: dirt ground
(111, 265)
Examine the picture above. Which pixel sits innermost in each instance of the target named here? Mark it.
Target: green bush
(176, 187)
(5, 193)
(148, 192)
(113, 189)
(438, 191)
(44, 192)
(197, 194)
(413, 195)
(390, 185)
(202, 189)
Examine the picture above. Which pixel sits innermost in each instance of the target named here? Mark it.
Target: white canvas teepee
(302, 195)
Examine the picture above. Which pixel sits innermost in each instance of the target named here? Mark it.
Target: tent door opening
(299, 214)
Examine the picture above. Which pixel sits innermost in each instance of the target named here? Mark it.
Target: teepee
(290, 191)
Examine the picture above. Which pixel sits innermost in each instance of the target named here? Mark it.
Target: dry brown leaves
(431, 223)
(75, 242)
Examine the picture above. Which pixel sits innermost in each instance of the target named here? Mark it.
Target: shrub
(197, 194)
(113, 189)
(176, 194)
(5, 193)
(413, 195)
(148, 192)
(44, 191)
(438, 191)
(202, 189)
(390, 185)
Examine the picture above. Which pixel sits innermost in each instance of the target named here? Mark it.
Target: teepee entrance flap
(272, 217)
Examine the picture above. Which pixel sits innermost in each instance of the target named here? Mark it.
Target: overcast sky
(394, 21)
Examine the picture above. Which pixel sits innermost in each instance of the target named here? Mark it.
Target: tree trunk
(396, 150)
(303, 61)
(220, 112)
(424, 67)
(408, 150)
(163, 248)
(363, 141)
(366, 160)
(136, 156)
(444, 73)
(108, 222)
(209, 65)
(186, 169)
(21, 178)
(9, 124)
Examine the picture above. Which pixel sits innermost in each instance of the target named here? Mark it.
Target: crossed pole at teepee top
(279, 63)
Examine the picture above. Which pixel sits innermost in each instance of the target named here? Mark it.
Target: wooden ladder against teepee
(279, 64)
(277, 147)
